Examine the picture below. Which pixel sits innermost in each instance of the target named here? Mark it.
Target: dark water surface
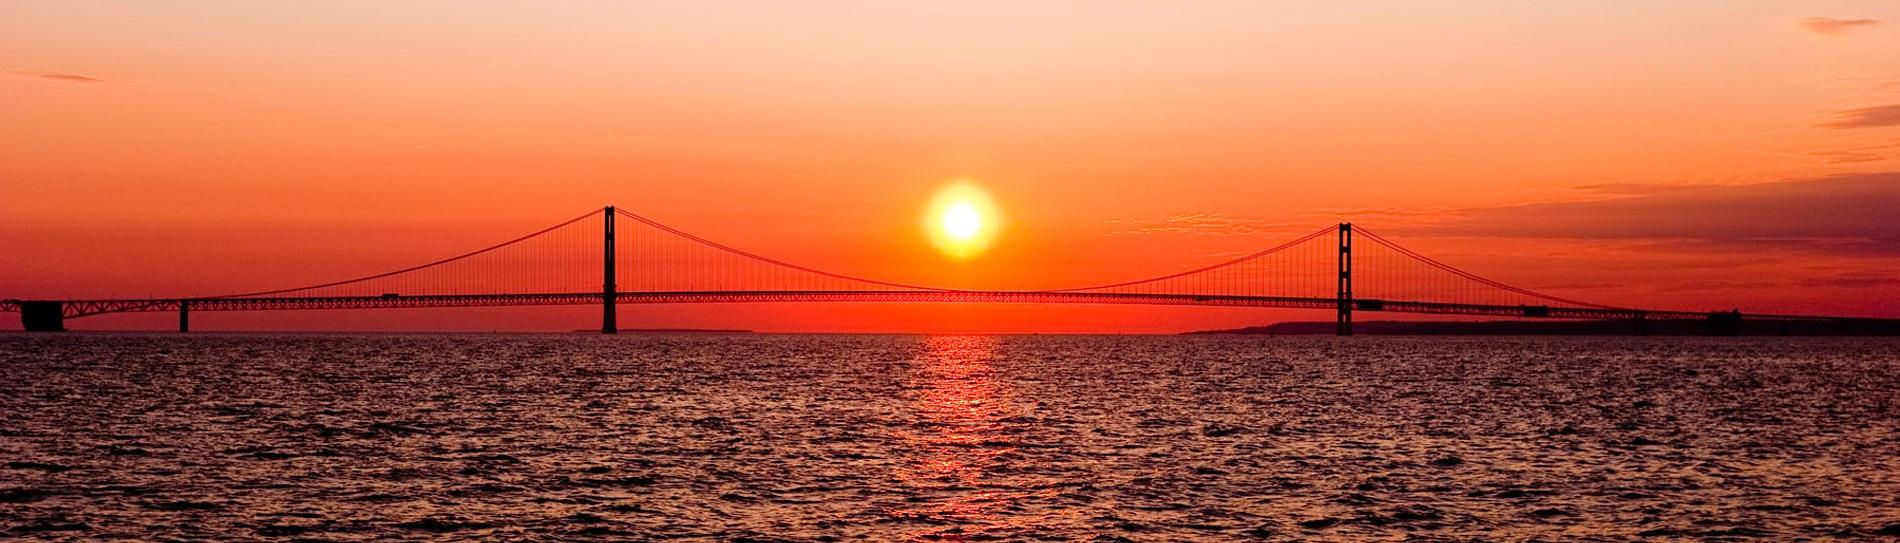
(971, 438)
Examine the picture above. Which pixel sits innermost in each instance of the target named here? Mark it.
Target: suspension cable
(1275, 249)
(770, 260)
(416, 267)
(1471, 276)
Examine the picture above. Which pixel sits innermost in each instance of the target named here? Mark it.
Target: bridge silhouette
(1343, 269)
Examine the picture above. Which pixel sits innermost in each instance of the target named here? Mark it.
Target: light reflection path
(962, 468)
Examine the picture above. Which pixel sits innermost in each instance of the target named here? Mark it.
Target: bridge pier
(43, 316)
(184, 316)
(1725, 323)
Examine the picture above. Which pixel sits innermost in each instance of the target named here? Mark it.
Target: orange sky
(1692, 155)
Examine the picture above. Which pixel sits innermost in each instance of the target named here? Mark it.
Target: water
(970, 438)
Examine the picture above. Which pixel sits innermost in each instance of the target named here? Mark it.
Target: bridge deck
(81, 308)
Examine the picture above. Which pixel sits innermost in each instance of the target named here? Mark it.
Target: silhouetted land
(670, 331)
(1575, 328)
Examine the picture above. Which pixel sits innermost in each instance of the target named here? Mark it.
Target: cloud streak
(1200, 224)
(1866, 117)
(61, 76)
(1872, 153)
(1846, 214)
(1215, 224)
(1834, 27)
(1852, 279)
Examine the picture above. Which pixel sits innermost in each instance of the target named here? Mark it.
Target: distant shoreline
(670, 331)
(1564, 328)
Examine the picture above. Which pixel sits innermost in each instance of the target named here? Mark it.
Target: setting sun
(961, 221)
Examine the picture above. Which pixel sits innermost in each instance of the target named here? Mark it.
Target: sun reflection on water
(963, 460)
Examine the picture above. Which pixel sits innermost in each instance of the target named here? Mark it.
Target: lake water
(955, 438)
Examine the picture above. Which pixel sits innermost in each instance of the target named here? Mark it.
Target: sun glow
(961, 221)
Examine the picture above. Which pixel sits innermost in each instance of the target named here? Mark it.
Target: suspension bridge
(590, 259)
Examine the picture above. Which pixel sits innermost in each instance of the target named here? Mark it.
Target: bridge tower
(1345, 279)
(608, 293)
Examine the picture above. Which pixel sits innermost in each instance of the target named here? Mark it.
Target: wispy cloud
(1852, 279)
(1870, 153)
(1635, 189)
(1383, 212)
(1827, 26)
(1845, 214)
(1202, 224)
(1866, 117)
(1849, 156)
(61, 76)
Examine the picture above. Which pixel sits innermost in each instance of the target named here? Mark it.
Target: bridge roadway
(81, 308)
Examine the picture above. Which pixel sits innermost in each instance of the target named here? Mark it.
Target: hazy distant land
(671, 331)
(1570, 328)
